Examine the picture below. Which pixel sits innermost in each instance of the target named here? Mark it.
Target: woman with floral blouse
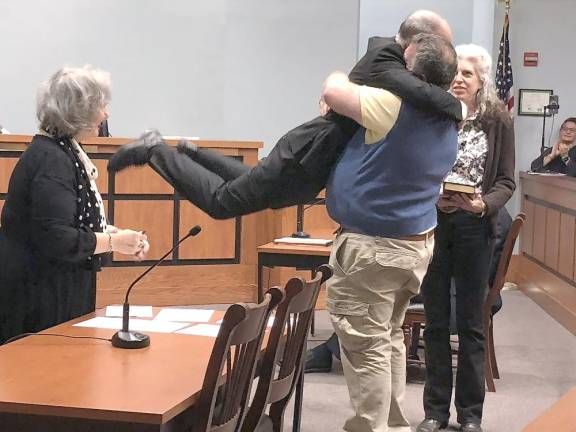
(463, 246)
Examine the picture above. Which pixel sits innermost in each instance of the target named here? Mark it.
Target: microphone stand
(543, 143)
(300, 209)
(300, 233)
(126, 338)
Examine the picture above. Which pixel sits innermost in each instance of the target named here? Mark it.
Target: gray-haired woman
(53, 226)
(463, 246)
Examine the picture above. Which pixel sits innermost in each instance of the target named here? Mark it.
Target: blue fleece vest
(390, 188)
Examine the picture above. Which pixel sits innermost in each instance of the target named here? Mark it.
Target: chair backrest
(282, 360)
(222, 401)
(504, 261)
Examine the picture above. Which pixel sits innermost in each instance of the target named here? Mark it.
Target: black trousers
(462, 250)
(224, 187)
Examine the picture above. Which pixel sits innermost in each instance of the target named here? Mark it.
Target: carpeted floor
(536, 358)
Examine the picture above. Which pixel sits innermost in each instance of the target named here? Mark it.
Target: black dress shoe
(431, 425)
(137, 152)
(318, 360)
(470, 427)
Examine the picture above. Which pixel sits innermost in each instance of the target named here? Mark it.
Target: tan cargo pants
(374, 279)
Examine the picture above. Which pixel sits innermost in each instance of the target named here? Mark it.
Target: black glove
(188, 148)
(137, 152)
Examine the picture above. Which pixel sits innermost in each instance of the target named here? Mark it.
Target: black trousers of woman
(462, 250)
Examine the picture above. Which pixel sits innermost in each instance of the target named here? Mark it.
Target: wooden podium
(217, 266)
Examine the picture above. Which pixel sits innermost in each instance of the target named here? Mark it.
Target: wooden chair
(415, 316)
(221, 405)
(281, 366)
(490, 365)
(414, 321)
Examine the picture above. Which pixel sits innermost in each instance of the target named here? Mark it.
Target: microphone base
(300, 234)
(130, 340)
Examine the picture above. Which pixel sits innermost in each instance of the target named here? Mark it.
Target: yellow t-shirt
(380, 109)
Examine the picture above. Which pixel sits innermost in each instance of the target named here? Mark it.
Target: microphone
(130, 339)
(553, 105)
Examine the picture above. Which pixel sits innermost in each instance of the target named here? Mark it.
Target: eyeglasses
(566, 129)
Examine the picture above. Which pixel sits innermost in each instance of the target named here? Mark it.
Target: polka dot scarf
(90, 209)
(91, 213)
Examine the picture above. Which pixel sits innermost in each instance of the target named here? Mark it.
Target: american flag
(504, 80)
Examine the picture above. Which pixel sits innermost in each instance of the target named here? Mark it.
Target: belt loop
(429, 235)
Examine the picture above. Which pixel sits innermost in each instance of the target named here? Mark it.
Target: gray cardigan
(498, 184)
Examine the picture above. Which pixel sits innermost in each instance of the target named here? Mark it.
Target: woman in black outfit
(561, 157)
(53, 228)
(463, 246)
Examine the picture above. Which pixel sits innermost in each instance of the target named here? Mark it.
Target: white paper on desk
(553, 174)
(210, 330)
(135, 311)
(134, 324)
(184, 315)
(304, 241)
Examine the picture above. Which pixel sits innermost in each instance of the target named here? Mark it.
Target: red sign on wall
(530, 59)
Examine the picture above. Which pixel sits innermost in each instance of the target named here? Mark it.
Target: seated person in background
(560, 158)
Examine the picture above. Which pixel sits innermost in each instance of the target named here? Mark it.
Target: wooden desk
(58, 384)
(302, 257)
(546, 267)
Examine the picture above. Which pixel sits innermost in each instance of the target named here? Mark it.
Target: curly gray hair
(69, 101)
(486, 99)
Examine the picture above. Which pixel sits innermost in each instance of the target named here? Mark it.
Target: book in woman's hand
(449, 187)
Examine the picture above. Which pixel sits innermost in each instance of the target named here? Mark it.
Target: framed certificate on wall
(532, 102)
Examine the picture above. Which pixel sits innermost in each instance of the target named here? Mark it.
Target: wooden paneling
(552, 238)
(154, 217)
(102, 180)
(566, 250)
(549, 234)
(179, 285)
(141, 180)
(527, 234)
(539, 246)
(174, 283)
(552, 189)
(219, 235)
(6, 169)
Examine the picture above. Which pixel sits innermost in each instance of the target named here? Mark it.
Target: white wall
(383, 17)
(217, 69)
(545, 26)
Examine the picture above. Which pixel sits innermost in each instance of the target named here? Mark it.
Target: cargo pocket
(349, 319)
(398, 269)
(350, 256)
(347, 307)
(398, 260)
